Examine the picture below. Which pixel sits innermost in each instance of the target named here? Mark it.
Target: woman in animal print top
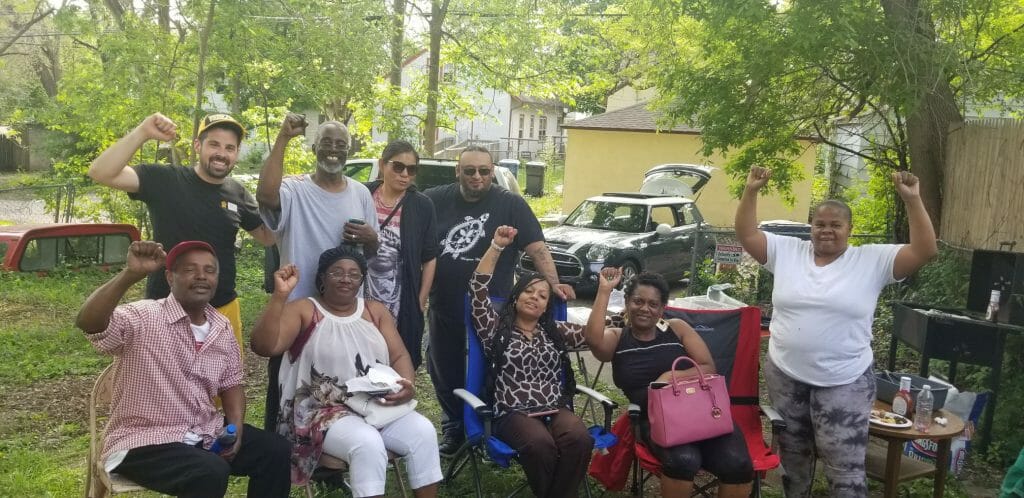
(530, 405)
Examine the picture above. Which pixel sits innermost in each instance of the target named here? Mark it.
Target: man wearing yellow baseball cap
(198, 203)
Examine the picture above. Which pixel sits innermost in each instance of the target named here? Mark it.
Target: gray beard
(333, 170)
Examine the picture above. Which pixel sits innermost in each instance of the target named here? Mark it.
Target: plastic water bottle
(225, 439)
(923, 415)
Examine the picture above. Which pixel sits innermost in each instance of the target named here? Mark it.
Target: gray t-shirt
(311, 221)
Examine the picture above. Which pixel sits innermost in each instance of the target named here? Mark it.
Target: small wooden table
(891, 468)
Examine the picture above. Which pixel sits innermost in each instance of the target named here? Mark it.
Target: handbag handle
(716, 412)
(700, 374)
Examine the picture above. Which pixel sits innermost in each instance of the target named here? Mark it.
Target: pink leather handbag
(689, 409)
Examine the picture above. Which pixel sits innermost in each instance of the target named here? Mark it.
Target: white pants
(365, 448)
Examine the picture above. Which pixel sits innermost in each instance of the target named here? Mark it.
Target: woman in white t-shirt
(819, 363)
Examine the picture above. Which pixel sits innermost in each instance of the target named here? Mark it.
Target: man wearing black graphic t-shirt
(468, 212)
(199, 203)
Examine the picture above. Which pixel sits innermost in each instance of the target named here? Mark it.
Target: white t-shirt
(312, 220)
(821, 318)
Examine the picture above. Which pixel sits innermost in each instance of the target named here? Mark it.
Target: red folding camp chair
(734, 338)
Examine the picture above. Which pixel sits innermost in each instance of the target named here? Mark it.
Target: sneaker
(451, 440)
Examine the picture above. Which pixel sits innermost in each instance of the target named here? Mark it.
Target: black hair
(838, 205)
(507, 320)
(398, 147)
(333, 255)
(507, 315)
(477, 148)
(648, 278)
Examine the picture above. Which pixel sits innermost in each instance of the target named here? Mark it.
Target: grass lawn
(47, 368)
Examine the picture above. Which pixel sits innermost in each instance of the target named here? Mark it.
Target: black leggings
(724, 456)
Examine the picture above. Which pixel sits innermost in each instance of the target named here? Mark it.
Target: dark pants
(725, 456)
(273, 394)
(179, 469)
(446, 363)
(554, 455)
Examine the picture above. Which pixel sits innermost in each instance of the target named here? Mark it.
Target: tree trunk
(48, 69)
(204, 38)
(438, 10)
(163, 15)
(395, 74)
(931, 109)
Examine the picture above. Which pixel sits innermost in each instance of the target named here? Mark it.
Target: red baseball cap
(186, 246)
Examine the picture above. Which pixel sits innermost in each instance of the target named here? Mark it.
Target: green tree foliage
(754, 74)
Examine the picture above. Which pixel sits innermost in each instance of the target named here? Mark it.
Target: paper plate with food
(889, 419)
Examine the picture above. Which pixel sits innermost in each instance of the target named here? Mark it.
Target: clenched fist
(158, 127)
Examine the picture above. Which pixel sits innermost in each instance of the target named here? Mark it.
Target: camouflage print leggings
(834, 420)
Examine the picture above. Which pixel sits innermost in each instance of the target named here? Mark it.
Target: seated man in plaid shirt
(173, 355)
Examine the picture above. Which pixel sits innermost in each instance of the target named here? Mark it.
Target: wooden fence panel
(983, 186)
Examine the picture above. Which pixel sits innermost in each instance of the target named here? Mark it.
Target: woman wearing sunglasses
(401, 273)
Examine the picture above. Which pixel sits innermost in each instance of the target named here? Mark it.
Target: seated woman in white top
(327, 340)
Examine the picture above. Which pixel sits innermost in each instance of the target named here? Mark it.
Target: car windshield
(603, 215)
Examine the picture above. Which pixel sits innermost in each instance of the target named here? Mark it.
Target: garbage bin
(535, 178)
(512, 165)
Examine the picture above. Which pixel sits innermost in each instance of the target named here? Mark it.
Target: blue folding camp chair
(477, 416)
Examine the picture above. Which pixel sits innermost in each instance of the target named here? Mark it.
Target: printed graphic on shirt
(463, 236)
(384, 270)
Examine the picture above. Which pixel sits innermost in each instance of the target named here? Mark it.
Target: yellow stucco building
(610, 152)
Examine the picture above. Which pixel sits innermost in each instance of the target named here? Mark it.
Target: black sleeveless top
(637, 363)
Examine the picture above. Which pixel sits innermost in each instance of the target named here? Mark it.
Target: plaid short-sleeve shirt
(163, 386)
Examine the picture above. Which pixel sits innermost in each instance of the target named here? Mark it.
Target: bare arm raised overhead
(752, 238)
(922, 247)
(268, 190)
(111, 167)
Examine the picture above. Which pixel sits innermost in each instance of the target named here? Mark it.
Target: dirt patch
(46, 405)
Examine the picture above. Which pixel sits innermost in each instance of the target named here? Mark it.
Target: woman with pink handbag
(643, 352)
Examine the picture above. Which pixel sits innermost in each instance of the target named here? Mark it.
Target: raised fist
(758, 177)
(145, 257)
(293, 125)
(286, 279)
(504, 235)
(907, 184)
(158, 127)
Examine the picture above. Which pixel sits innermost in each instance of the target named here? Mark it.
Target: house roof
(633, 118)
(535, 101)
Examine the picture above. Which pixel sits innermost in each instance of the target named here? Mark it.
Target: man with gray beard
(310, 214)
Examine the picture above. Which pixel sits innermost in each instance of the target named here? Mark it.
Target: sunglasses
(401, 167)
(473, 171)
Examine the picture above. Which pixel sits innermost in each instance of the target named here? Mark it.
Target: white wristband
(496, 247)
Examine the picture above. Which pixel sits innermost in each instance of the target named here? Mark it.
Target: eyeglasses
(338, 144)
(472, 171)
(401, 167)
(341, 276)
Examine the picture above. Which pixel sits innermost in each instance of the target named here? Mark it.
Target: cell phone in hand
(378, 393)
(356, 221)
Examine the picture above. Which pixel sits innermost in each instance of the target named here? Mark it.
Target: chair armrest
(596, 396)
(475, 403)
(633, 410)
(606, 403)
(778, 424)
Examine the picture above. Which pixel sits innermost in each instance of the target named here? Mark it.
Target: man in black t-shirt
(198, 203)
(468, 212)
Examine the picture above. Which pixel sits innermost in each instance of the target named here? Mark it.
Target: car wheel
(629, 272)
